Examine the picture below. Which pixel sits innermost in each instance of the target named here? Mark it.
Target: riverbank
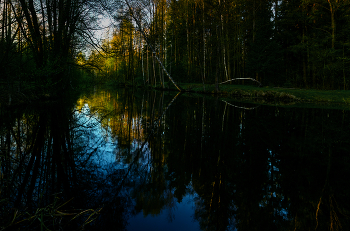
(255, 94)
(31, 93)
(274, 93)
(265, 93)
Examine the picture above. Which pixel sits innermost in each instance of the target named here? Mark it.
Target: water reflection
(143, 157)
(49, 179)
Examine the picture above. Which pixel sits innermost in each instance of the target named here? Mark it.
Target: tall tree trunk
(4, 13)
(333, 24)
(304, 61)
(344, 79)
(222, 41)
(142, 66)
(204, 47)
(154, 69)
(188, 39)
(148, 81)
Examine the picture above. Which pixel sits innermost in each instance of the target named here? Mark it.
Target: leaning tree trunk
(149, 44)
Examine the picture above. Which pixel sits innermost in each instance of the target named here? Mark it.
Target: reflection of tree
(133, 120)
(243, 166)
(314, 167)
(118, 115)
(48, 175)
(277, 168)
(152, 193)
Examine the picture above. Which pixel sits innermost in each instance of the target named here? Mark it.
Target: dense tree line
(296, 43)
(40, 40)
(299, 43)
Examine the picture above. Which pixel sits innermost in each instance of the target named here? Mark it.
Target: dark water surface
(141, 160)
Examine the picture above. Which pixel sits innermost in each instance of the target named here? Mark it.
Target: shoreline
(279, 94)
(252, 94)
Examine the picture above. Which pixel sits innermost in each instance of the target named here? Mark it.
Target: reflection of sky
(99, 140)
(273, 190)
(177, 216)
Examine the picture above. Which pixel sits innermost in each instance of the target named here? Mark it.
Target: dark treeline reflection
(49, 179)
(122, 152)
(274, 167)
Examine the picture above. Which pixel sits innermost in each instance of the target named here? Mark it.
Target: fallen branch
(243, 79)
(149, 44)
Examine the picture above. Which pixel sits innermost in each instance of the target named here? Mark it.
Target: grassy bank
(331, 99)
(268, 93)
(238, 92)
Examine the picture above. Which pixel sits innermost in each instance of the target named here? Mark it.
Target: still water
(144, 160)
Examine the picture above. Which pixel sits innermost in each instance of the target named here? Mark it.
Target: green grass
(274, 93)
(332, 99)
(263, 95)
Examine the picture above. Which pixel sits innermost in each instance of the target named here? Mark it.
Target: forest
(51, 44)
(75, 156)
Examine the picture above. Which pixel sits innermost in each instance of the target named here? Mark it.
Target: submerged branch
(245, 108)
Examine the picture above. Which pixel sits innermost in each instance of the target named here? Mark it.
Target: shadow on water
(205, 163)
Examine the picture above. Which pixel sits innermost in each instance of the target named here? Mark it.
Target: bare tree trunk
(147, 67)
(332, 10)
(154, 70)
(138, 22)
(9, 23)
(188, 40)
(4, 13)
(304, 63)
(204, 48)
(223, 41)
(143, 68)
(344, 79)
